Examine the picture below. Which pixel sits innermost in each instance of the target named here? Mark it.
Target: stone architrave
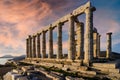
(80, 40)
(59, 42)
(89, 35)
(43, 44)
(38, 46)
(109, 45)
(34, 46)
(50, 54)
(71, 49)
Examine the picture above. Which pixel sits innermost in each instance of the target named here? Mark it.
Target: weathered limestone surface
(27, 48)
(38, 46)
(43, 45)
(98, 45)
(59, 42)
(109, 45)
(50, 54)
(89, 35)
(80, 40)
(34, 47)
(95, 40)
(71, 49)
(30, 45)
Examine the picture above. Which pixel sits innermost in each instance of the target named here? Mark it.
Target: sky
(20, 18)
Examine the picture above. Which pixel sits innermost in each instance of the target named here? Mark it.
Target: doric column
(98, 46)
(89, 36)
(50, 54)
(109, 45)
(30, 46)
(27, 48)
(38, 46)
(59, 41)
(43, 44)
(71, 49)
(95, 39)
(80, 40)
(34, 46)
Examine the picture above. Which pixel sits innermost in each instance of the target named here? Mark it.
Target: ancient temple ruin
(87, 43)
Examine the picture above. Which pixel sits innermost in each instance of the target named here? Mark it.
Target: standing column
(27, 48)
(30, 46)
(59, 42)
(89, 36)
(50, 54)
(95, 36)
(80, 40)
(109, 45)
(38, 46)
(71, 49)
(98, 46)
(43, 45)
(34, 46)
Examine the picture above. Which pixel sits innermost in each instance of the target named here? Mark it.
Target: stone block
(88, 72)
(59, 65)
(105, 65)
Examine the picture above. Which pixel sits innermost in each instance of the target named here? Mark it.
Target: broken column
(89, 35)
(34, 46)
(109, 45)
(50, 54)
(71, 49)
(80, 40)
(59, 42)
(38, 46)
(43, 45)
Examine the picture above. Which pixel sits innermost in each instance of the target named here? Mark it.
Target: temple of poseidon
(84, 45)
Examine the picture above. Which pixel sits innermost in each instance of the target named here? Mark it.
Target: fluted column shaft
(71, 49)
(30, 46)
(27, 48)
(109, 45)
(80, 40)
(95, 40)
(98, 46)
(59, 42)
(88, 36)
(50, 54)
(38, 46)
(43, 45)
(34, 47)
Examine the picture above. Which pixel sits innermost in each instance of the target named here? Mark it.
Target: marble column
(50, 54)
(27, 48)
(71, 49)
(38, 46)
(34, 46)
(80, 40)
(30, 46)
(59, 41)
(43, 44)
(98, 46)
(109, 45)
(95, 39)
(89, 36)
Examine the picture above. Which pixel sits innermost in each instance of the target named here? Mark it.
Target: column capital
(109, 33)
(88, 9)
